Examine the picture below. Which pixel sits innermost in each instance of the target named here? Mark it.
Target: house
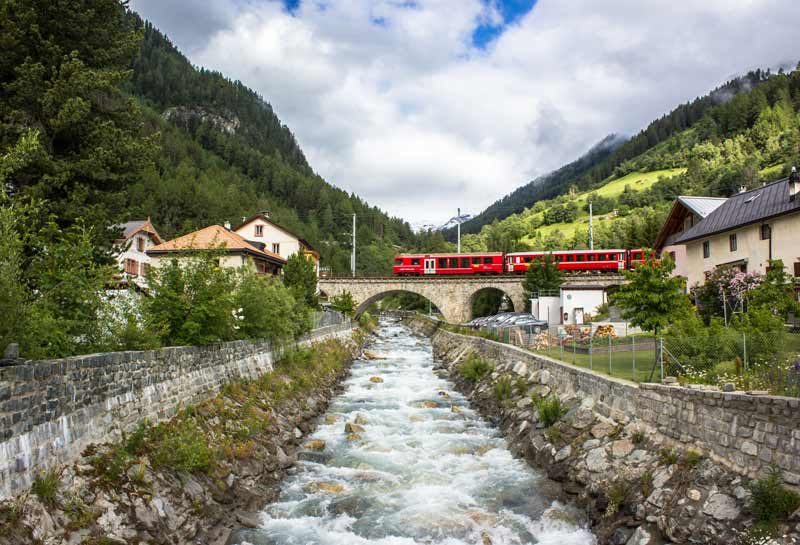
(686, 213)
(279, 240)
(137, 237)
(236, 251)
(746, 231)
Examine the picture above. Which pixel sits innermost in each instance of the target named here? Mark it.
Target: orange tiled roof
(213, 237)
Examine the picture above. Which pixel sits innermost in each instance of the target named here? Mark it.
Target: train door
(621, 261)
(430, 266)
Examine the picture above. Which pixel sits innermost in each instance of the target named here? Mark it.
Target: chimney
(265, 214)
(794, 184)
(228, 225)
(742, 189)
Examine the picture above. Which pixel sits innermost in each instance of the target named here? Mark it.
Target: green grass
(638, 181)
(621, 362)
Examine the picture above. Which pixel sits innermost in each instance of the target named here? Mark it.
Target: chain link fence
(328, 317)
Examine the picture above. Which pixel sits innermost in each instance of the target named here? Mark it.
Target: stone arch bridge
(452, 295)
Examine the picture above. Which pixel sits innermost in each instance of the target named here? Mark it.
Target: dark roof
(130, 228)
(682, 207)
(745, 208)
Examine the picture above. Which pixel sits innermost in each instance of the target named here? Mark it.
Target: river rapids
(425, 468)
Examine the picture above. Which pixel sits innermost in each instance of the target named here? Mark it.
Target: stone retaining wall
(50, 411)
(743, 432)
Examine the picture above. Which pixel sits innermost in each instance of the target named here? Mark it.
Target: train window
(415, 261)
(579, 257)
(528, 259)
(487, 260)
(453, 262)
(442, 263)
(464, 262)
(476, 260)
(570, 257)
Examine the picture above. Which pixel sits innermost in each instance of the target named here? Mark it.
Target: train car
(448, 264)
(571, 260)
(636, 257)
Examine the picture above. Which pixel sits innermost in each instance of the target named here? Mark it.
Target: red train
(517, 262)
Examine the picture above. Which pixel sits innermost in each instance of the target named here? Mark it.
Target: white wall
(131, 251)
(547, 308)
(586, 299)
(288, 244)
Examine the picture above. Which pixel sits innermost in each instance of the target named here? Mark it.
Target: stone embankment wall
(745, 433)
(50, 411)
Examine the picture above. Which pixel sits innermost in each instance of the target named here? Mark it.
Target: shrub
(550, 410)
(638, 437)
(265, 308)
(771, 502)
(502, 389)
(474, 368)
(646, 483)
(344, 303)
(691, 459)
(667, 456)
(80, 515)
(617, 494)
(184, 450)
(45, 486)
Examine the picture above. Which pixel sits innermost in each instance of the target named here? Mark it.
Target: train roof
(541, 252)
(435, 254)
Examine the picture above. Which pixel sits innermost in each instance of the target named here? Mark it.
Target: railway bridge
(452, 295)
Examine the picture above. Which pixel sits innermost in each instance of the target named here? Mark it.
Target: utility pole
(458, 224)
(591, 230)
(353, 255)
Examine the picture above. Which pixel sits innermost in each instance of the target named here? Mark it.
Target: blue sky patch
(511, 11)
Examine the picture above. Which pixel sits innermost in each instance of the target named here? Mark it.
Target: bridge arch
(379, 296)
(487, 291)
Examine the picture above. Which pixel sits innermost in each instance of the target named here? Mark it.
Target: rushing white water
(417, 474)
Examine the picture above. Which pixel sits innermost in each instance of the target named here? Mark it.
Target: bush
(771, 502)
(265, 308)
(474, 368)
(502, 389)
(550, 410)
(45, 486)
(344, 303)
(184, 449)
(667, 457)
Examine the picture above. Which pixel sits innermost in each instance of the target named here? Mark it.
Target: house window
(276, 248)
(706, 249)
(132, 267)
(732, 242)
(145, 269)
(766, 232)
(259, 230)
(797, 269)
(140, 244)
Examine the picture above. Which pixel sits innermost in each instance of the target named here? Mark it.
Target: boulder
(596, 460)
(721, 507)
(428, 404)
(544, 377)
(694, 494)
(640, 537)
(316, 444)
(352, 427)
(330, 488)
(521, 368)
(602, 430)
(621, 448)
(563, 454)
(361, 419)
(662, 476)
(376, 380)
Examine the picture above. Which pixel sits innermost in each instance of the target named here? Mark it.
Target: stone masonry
(452, 295)
(745, 433)
(50, 411)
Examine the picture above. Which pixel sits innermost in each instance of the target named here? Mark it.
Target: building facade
(259, 229)
(234, 250)
(137, 237)
(746, 231)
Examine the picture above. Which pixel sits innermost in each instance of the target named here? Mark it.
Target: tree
(300, 276)
(193, 301)
(651, 298)
(266, 308)
(542, 275)
(344, 303)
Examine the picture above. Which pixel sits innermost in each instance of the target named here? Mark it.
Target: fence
(747, 360)
(328, 317)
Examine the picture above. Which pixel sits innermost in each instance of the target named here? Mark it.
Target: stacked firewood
(605, 330)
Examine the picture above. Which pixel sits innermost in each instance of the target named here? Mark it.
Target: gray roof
(745, 208)
(130, 227)
(702, 206)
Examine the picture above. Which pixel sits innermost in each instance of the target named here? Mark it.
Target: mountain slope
(749, 133)
(224, 154)
(611, 154)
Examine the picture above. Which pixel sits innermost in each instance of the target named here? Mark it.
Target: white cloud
(394, 103)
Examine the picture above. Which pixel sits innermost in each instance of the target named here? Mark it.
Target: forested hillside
(742, 134)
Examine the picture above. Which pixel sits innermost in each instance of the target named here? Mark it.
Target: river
(425, 469)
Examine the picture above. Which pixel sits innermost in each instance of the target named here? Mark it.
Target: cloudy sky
(421, 106)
